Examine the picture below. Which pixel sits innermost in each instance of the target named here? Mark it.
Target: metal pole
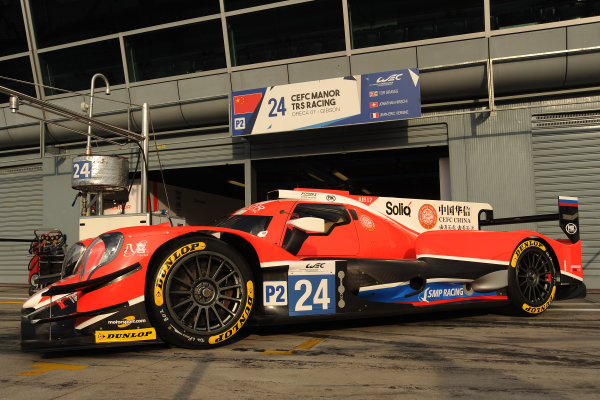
(88, 148)
(145, 134)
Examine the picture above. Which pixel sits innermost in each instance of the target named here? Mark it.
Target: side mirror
(308, 224)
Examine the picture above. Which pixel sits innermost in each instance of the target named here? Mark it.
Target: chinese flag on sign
(246, 103)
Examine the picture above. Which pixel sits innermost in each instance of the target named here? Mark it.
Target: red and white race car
(306, 254)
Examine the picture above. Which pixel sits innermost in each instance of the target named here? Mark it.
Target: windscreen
(248, 223)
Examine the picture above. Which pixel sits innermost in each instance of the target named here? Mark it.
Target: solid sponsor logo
(367, 223)
(315, 265)
(125, 336)
(241, 321)
(397, 209)
(571, 228)
(125, 322)
(543, 307)
(159, 283)
(525, 245)
(330, 197)
(427, 216)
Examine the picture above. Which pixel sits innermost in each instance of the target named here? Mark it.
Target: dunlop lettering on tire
(531, 278)
(200, 293)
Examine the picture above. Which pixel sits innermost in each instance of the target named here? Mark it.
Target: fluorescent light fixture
(236, 183)
(365, 191)
(315, 176)
(340, 176)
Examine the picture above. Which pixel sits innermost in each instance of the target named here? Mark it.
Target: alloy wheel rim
(204, 292)
(535, 277)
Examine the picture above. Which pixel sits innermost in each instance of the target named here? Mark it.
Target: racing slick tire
(531, 278)
(200, 293)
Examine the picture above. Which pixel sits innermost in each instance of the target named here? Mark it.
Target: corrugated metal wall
(20, 212)
(566, 156)
(490, 162)
(348, 139)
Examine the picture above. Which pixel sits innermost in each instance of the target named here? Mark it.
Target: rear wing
(568, 217)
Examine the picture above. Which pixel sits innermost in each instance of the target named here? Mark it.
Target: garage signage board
(356, 99)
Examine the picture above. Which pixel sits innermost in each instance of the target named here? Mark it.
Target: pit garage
(203, 194)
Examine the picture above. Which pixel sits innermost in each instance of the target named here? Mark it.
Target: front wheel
(531, 278)
(200, 293)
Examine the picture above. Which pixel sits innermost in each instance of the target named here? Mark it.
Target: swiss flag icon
(373, 104)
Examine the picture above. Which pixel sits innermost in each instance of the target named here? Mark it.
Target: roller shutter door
(21, 213)
(566, 161)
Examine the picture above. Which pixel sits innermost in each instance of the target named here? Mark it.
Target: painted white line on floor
(13, 298)
(577, 309)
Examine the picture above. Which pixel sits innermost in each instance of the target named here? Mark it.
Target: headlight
(102, 250)
(73, 256)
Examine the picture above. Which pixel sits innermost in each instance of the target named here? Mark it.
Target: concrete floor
(477, 354)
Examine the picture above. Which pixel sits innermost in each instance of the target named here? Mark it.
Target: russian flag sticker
(568, 202)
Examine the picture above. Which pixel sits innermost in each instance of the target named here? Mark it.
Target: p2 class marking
(275, 293)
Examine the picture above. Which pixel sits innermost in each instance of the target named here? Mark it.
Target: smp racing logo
(439, 292)
(159, 283)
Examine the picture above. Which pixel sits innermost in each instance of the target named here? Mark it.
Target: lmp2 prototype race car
(303, 255)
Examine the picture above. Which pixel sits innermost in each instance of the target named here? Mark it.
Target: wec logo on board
(389, 79)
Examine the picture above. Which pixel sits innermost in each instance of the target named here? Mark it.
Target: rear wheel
(201, 293)
(531, 278)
